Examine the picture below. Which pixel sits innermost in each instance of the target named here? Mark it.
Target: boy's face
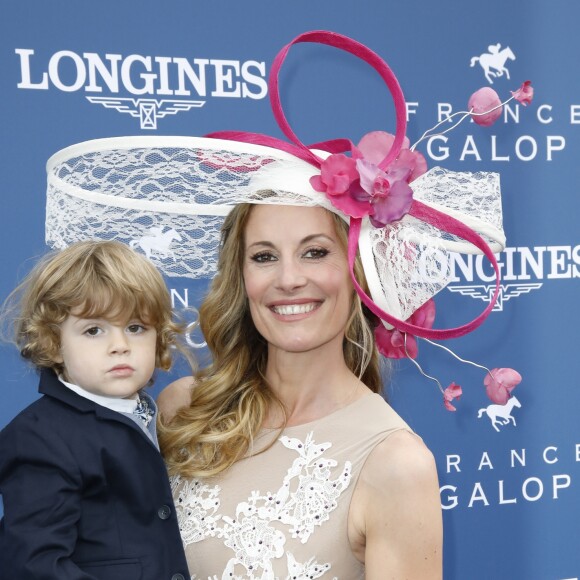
(109, 358)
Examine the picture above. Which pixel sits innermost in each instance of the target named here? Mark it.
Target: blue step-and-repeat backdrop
(73, 71)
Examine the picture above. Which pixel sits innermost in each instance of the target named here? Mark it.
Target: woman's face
(296, 277)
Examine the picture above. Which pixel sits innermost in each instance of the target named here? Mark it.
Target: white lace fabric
(167, 197)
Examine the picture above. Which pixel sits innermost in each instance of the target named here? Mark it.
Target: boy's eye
(263, 257)
(135, 328)
(93, 331)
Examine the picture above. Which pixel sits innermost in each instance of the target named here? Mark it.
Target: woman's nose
(290, 275)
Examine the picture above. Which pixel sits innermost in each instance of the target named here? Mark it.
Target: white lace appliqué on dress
(196, 507)
(257, 534)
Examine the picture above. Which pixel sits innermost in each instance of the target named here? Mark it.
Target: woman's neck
(310, 384)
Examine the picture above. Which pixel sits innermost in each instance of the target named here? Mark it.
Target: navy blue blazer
(86, 495)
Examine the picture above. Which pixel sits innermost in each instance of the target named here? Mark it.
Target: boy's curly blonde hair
(96, 279)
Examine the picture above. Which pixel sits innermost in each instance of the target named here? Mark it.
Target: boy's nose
(119, 343)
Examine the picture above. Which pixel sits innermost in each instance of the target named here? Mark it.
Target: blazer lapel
(52, 387)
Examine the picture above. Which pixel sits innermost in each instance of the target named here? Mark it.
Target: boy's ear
(58, 359)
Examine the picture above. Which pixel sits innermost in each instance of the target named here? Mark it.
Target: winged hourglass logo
(147, 110)
(485, 292)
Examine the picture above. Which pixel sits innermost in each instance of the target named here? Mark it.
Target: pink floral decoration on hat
(359, 187)
(499, 383)
(524, 94)
(391, 343)
(486, 105)
(453, 391)
(337, 174)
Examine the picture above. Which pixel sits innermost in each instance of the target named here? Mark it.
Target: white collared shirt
(124, 406)
(115, 404)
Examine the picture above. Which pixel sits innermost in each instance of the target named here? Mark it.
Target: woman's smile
(295, 308)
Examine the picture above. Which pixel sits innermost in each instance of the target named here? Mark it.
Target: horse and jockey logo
(157, 242)
(493, 62)
(500, 414)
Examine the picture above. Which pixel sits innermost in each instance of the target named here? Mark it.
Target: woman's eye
(316, 253)
(263, 257)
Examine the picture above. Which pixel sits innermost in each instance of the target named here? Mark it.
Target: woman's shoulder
(400, 468)
(175, 396)
(400, 458)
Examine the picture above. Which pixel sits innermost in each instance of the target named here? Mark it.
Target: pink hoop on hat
(418, 209)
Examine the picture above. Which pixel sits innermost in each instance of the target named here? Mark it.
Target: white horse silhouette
(501, 411)
(493, 62)
(157, 242)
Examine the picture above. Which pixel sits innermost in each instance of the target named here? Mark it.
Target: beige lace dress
(282, 514)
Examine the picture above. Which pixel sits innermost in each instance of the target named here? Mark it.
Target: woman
(286, 460)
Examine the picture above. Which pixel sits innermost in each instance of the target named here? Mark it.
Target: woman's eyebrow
(261, 243)
(305, 240)
(315, 236)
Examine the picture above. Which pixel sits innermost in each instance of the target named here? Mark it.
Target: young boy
(85, 490)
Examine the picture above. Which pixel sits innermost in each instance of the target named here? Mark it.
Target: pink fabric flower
(375, 146)
(482, 101)
(499, 383)
(358, 187)
(350, 205)
(389, 196)
(412, 159)
(392, 207)
(388, 190)
(524, 94)
(424, 316)
(391, 343)
(453, 391)
(337, 173)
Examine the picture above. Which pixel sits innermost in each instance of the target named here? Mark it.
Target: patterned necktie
(144, 411)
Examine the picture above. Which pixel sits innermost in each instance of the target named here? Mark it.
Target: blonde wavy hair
(95, 279)
(231, 396)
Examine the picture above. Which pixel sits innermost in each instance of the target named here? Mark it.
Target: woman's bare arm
(395, 517)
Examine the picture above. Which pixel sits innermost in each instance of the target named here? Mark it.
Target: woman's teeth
(288, 309)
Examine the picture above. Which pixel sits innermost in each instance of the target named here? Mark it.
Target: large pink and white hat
(167, 197)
